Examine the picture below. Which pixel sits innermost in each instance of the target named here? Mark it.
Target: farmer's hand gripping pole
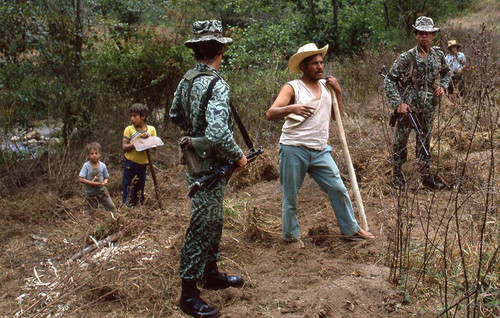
(352, 174)
(394, 117)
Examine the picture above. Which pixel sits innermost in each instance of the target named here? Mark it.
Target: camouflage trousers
(404, 127)
(201, 244)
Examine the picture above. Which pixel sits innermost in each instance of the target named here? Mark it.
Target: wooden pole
(153, 174)
(347, 155)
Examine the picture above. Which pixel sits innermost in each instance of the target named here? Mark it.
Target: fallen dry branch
(110, 239)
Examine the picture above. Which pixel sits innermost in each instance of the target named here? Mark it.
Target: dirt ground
(138, 274)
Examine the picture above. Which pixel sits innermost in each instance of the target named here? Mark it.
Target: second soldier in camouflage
(416, 82)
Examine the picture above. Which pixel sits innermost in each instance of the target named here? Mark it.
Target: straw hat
(425, 24)
(209, 30)
(453, 43)
(307, 50)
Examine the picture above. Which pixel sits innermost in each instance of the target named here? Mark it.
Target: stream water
(22, 144)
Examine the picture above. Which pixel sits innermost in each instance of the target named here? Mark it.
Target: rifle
(224, 171)
(394, 117)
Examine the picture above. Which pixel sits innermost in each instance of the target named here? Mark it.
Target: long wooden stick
(90, 248)
(347, 155)
(155, 183)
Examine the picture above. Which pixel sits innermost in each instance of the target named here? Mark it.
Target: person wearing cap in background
(416, 81)
(306, 105)
(199, 117)
(456, 61)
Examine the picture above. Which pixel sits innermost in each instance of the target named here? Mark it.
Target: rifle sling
(241, 127)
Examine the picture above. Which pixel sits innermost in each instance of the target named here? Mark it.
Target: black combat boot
(399, 180)
(428, 180)
(191, 302)
(213, 279)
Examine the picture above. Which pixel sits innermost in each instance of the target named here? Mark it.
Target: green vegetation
(79, 60)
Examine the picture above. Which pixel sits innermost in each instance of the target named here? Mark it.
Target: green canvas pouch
(196, 154)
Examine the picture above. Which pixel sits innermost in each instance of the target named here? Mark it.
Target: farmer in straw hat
(306, 105)
(456, 61)
(200, 116)
(415, 82)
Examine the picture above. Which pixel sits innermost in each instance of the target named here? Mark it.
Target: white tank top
(310, 132)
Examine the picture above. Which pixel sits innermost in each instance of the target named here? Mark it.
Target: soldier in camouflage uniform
(415, 83)
(201, 244)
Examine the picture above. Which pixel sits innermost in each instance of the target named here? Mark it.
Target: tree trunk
(387, 18)
(68, 118)
(78, 36)
(335, 5)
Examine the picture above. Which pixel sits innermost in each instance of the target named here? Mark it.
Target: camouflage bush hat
(209, 30)
(304, 51)
(425, 24)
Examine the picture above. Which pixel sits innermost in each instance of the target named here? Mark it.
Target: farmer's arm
(282, 107)
(334, 83)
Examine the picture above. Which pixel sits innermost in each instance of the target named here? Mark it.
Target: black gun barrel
(383, 71)
(194, 188)
(418, 132)
(226, 170)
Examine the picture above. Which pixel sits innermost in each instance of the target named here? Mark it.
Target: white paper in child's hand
(141, 144)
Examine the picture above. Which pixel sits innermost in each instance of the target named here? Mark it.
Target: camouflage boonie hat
(209, 30)
(425, 24)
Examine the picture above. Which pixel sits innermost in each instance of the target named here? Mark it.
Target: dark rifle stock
(394, 117)
(224, 171)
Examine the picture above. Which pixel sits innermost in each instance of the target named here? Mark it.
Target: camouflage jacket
(403, 81)
(215, 122)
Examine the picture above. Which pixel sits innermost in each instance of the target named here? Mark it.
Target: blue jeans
(133, 192)
(295, 162)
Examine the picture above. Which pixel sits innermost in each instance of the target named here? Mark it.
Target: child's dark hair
(207, 50)
(93, 146)
(140, 109)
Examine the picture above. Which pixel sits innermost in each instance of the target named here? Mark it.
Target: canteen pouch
(196, 154)
(436, 100)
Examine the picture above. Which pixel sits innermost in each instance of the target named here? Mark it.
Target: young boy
(136, 162)
(94, 176)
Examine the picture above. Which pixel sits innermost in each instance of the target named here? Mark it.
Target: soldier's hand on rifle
(241, 163)
(403, 109)
(439, 91)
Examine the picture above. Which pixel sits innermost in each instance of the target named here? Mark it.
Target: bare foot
(361, 235)
(365, 234)
(296, 244)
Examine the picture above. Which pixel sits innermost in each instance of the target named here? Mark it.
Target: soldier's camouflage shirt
(401, 82)
(216, 123)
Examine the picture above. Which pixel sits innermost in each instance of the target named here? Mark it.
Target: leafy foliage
(132, 51)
